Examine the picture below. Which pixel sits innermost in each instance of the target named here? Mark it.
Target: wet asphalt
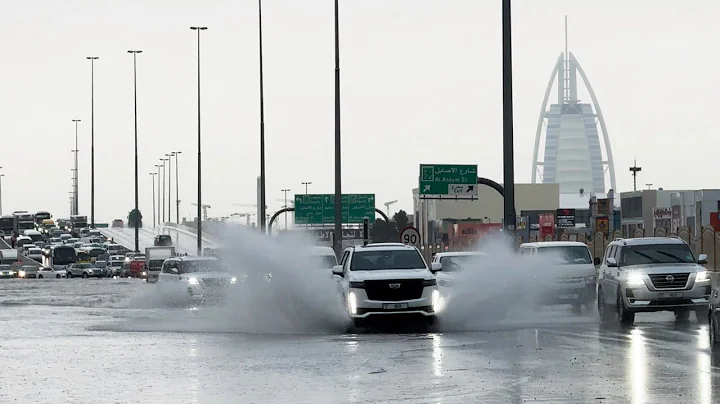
(94, 341)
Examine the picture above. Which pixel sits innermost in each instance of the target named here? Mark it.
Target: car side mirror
(435, 267)
(702, 259)
(597, 261)
(337, 270)
(612, 262)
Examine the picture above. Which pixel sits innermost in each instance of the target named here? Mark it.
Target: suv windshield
(457, 262)
(656, 254)
(323, 261)
(569, 254)
(201, 266)
(386, 259)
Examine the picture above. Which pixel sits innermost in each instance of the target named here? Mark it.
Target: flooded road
(108, 341)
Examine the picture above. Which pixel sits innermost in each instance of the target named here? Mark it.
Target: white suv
(652, 274)
(387, 279)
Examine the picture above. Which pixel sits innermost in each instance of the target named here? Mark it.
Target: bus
(59, 256)
(24, 221)
(7, 224)
(78, 222)
(40, 217)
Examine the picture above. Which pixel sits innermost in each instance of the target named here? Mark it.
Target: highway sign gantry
(448, 179)
(410, 236)
(318, 209)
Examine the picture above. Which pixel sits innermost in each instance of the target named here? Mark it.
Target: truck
(24, 221)
(78, 222)
(8, 256)
(154, 259)
(7, 224)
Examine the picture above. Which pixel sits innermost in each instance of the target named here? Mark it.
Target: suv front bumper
(359, 306)
(642, 299)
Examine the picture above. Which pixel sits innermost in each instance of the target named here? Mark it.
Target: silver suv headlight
(702, 276)
(635, 280)
(193, 281)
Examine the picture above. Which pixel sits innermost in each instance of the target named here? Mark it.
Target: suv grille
(669, 281)
(380, 290)
(215, 282)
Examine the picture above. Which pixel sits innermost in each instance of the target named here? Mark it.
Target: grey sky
(421, 83)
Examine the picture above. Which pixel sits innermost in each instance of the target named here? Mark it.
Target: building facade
(650, 209)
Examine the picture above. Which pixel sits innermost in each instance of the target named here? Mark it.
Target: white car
(195, 279)
(387, 279)
(50, 273)
(35, 254)
(568, 274)
(453, 262)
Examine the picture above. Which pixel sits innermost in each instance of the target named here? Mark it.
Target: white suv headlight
(635, 280)
(233, 280)
(193, 281)
(701, 276)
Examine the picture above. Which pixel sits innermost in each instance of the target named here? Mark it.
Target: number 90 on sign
(410, 236)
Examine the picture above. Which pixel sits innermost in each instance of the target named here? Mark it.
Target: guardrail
(191, 231)
(25, 260)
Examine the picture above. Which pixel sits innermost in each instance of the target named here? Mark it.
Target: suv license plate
(670, 295)
(394, 306)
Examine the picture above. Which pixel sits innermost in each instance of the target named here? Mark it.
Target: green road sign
(448, 179)
(320, 208)
(101, 225)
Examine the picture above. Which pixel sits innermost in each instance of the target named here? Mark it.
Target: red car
(137, 267)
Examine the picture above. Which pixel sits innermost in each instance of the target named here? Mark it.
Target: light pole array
(164, 170)
(169, 190)
(199, 166)
(137, 209)
(158, 166)
(92, 60)
(306, 186)
(177, 187)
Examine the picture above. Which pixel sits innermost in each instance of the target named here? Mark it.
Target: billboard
(474, 231)
(565, 218)
(547, 225)
(662, 218)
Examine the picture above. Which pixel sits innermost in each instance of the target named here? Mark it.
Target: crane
(204, 208)
(387, 206)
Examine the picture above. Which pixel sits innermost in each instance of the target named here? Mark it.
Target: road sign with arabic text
(448, 179)
(320, 208)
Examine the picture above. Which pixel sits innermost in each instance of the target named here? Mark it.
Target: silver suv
(652, 274)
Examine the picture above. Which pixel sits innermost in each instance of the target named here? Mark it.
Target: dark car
(118, 223)
(163, 240)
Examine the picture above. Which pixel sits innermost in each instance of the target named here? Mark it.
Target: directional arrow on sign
(470, 188)
(327, 199)
(427, 188)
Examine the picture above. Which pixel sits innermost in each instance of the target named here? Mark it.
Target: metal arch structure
(283, 210)
(497, 187)
(559, 70)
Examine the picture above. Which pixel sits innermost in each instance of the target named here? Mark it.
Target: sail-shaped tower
(573, 156)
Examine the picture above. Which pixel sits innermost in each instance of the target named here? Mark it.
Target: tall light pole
(75, 195)
(1, 175)
(158, 166)
(169, 211)
(199, 167)
(508, 152)
(137, 208)
(306, 186)
(337, 239)
(163, 188)
(262, 217)
(92, 60)
(153, 192)
(177, 188)
(286, 205)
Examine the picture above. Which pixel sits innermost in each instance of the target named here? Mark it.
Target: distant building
(572, 156)
(487, 207)
(653, 208)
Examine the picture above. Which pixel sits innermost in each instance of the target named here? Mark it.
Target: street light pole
(286, 205)
(169, 205)
(262, 123)
(164, 169)
(137, 209)
(306, 186)
(199, 167)
(158, 166)
(92, 139)
(337, 239)
(75, 195)
(508, 153)
(177, 188)
(153, 192)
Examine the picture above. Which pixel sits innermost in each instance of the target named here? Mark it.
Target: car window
(572, 254)
(457, 262)
(201, 266)
(656, 254)
(386, 260)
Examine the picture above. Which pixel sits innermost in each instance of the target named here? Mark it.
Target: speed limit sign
(410, 235)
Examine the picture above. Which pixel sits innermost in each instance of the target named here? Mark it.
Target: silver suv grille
(669, 281)
(215, 282)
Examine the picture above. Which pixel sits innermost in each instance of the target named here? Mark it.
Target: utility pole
(262, 203)
(177, 187)
(137, 208)
(158, 166)
(1, 175)
(634, 170)
(153, 193)
(169, 212)
(199, 166)
(286, 205)
(75, 181)
(337, 237)
(306, 186)
(92, 60)
(164, 171)
(508, 152)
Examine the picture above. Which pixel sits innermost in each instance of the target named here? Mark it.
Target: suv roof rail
(618, 239)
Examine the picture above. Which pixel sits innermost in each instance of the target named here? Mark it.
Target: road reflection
(193, 377)
(638, 366)
(437, 355)
(704, 367)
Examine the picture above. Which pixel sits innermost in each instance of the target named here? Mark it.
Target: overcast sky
(421, 83)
